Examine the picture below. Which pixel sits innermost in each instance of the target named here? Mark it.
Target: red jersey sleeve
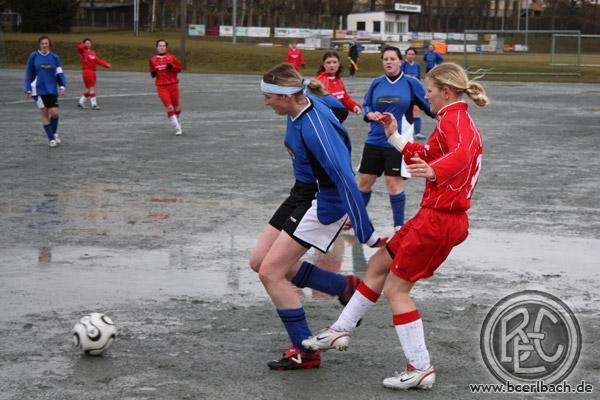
(151, 65)
(347, 100)
(457, 156)
(101, 62)
(81, 48)
(177, 67)
(415, 150)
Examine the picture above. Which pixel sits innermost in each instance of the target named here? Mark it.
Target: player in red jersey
(164, 66)
(295, 57)
(330, 76)
(89, 59)
(450, 163)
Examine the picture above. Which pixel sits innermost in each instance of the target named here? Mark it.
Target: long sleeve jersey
(413, 69)
(397, 97)
(320, 149)
(454, 151)
(432, 59)
(335, 86)
(165, 76)
(295, 57)
(43, 73)
(89, 59)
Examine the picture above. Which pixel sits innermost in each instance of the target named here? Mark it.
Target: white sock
(93, 100)
(412, 339)
(356, 308)
(175, 121)
(82, 100)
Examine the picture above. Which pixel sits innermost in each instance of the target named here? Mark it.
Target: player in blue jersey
(396, 93)
(432, 58)
(324, 194)
(43, 74)
(412, 68)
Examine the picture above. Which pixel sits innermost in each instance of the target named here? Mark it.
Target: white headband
(285, 90)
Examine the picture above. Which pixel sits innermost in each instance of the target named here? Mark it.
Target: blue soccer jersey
(413, 69)
(43, 73)
(320, 149)
(432, 59)
(397, 97)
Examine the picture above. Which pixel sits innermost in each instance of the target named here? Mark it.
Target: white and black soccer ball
(94, 334)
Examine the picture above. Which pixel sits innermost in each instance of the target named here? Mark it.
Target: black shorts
(376, 160)
(46, 101)
(290, 212)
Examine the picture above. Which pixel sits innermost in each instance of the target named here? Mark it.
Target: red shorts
(424, 242)
(169, 94)
(89, 78)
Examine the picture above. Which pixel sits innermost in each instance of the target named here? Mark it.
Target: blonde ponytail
(454, 76)
(316, 88)
(476, 92)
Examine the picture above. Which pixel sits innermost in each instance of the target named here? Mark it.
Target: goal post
(518, 53)
(588, 45)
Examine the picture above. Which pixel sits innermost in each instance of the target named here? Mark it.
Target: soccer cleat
(82, 106)
(411, 378)
(420, 136)
(178, 132)
(96, 107)
(295, 358)
(352, 283)
(52, 143)
(327, 339)
(57, 138)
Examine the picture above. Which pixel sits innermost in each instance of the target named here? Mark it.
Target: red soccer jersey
(89, 59)
(454, 152)
(335, 86)
(164, 76)
(294, 57)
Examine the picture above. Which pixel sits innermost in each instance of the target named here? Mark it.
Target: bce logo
(530, 336)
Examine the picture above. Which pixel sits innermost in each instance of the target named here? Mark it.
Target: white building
(381, 25)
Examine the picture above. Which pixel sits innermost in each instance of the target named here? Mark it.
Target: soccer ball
(94, 334)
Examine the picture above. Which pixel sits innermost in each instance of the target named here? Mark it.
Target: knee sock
(49, 131)
(398, 201)
(173, 118)
(54, 124)
(417, 122)
(82, 99)
(93, 100)
(366, 197)
(296, 325)
(309, 275)
(409, 328)
(360, 302)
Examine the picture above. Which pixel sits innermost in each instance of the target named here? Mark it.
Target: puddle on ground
(46, 278)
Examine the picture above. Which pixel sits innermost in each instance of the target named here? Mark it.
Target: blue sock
(311, 276)
(397, 201)
(366, 197)
(49, 131)
(417, 122)
(295, 324)
(54, 124)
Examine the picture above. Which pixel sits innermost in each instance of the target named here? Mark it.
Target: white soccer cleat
(52, 143)
(96, 107)
(81, 105)
(178, 132)
(327, 339)
(411, 378)
(57, 138)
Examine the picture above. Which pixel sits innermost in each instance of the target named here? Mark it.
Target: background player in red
(450, 162)
(295, 57)
(164, 66)
(89, 59)
(330, 76)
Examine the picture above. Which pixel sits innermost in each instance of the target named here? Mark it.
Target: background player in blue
(42, 75)
(396, 93)
(320, 150)
(412, 68)
(432, 58)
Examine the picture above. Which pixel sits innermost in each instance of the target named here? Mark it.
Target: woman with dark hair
(43, 74)
(412, 68)
(329, 75)
(397, 93)
(89, 59)
(164, 66)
